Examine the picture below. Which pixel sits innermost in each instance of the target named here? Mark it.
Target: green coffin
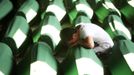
(57, 7)
(18, 34)
(43, 61)
(29, 9)
(114, 25)
(117, 63)
(117, 30)
(127, 49)
(81, 61)
(38, 60)
(51, 28)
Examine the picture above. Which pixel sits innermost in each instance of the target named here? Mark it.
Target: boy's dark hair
(67, 33)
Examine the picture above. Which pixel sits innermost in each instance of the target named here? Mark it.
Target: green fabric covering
(29, 7)
(5, 7)
(6, 59)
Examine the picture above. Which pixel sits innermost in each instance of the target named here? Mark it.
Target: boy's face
(74, 40)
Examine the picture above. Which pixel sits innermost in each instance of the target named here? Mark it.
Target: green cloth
(116, 62)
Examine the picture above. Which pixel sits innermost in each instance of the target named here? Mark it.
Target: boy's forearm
(84, 44)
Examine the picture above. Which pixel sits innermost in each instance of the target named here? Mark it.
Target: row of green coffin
(43, 53)
(39, 59)
(101, 8)
(31, 7)
(83, 6)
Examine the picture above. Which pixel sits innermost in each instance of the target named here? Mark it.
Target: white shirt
(99, 35)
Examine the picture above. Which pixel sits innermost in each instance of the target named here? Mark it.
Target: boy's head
(69, 36)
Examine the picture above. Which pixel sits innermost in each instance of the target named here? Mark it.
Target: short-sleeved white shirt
(99, 35)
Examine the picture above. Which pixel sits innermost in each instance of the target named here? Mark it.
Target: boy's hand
(87, 42)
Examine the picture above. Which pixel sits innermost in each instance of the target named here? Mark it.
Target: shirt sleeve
(85, 32)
